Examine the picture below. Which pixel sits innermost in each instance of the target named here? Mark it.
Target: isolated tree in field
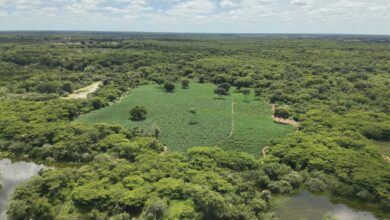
(225, 85)
(193, 116)
(220, 91)
(185, 83)
(169, 86)
(282, 112)
(138, 113)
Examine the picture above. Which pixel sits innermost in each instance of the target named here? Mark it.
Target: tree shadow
(218, 98)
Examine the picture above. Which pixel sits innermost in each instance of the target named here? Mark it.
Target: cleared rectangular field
(253, 127)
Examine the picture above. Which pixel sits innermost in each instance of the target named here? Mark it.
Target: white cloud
(215, 15)
(22, 4)
(227, 4)
(191, 7)
(299, 2)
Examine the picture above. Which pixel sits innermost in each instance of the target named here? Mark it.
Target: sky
(199, 16)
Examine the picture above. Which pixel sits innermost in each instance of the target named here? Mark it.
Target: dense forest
(336, 88)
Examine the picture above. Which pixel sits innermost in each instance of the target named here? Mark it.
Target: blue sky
(216, 16)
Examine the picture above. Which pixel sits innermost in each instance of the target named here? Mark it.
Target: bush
(138, 113)
(185, 83)
(281, 112)
(246, 91)
(97, 103)
(258, 92)
(169, 86)
(220, 91)
(315, 185)
(226, 86)
(294, 178)
(281, 186)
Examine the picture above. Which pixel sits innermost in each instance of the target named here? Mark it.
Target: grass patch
(181, 129)
(254, 127)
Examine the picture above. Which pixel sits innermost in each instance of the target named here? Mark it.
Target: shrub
(258, 92)
(220, 91)
(185, 83)
(282, 112)
(226, 86)
(97, 103)
(246, 91)
(281, 186)
(169, 86)
(138, 113)
(294, 178)
(315, 185)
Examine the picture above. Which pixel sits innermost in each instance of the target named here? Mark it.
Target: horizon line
(199, 33)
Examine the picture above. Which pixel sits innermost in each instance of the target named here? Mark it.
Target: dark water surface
(307, 206)
(11, 175)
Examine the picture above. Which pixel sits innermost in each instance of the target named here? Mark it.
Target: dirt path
(282, 120)
(231, 128)
(83, 92)
(386, 158)
(164, 151)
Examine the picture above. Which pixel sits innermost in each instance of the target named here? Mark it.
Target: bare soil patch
(84, 92)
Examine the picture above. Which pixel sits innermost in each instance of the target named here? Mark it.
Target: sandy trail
(83, 92)
(231, 128)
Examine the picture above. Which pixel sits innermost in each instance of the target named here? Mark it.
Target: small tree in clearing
(169, 86)
(281, 112)
(138, 113)
(185, 83)
(220, 91)
(225, 85)
(193, 116)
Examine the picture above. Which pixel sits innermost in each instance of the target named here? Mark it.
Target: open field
(253, 127)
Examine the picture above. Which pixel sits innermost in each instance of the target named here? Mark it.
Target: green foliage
(138, 113)
(205, 183)
(169, 86)
(181, 129)
(315, 185)
(246, 91)
(221, 91)
(281, 112)
(185, 84)
(336, 89)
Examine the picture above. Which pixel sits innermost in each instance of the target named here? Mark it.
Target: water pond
(12, 174)
(307, 206)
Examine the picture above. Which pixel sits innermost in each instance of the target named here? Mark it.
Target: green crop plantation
(253, 126)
